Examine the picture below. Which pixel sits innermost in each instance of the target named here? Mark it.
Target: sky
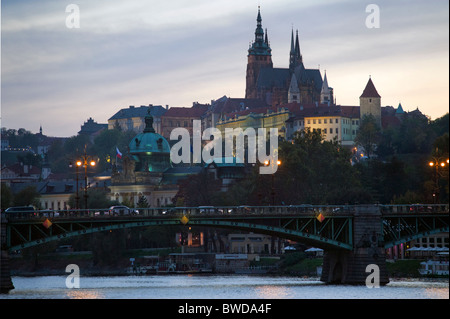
(182, 51)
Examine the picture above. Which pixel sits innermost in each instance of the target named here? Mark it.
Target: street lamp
(77, 197)
(438, 163)
(85, 162)
(267, 163)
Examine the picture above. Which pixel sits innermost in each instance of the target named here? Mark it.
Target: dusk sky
(177, 52)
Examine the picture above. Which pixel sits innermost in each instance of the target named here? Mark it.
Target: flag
(47, 223)
(320, 217)
(119, 155)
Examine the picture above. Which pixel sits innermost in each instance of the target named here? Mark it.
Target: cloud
(177, 52)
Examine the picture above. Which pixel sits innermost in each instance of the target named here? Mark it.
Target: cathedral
(277, 86)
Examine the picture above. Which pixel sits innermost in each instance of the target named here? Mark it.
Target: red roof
(370, 90)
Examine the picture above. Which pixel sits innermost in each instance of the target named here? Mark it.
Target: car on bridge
(21, 211)
(122, 210)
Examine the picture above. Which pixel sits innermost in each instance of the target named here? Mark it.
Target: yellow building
(265, 117)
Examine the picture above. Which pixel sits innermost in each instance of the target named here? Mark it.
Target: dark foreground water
(218, 287)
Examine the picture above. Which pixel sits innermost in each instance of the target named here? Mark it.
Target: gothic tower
(295, 57)
(326, 94)
(259, 56)
(370, 102)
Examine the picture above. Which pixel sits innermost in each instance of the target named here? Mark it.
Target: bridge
(352, 236)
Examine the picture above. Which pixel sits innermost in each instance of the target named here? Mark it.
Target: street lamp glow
(278, 162)
(92, 163)
(79, 163)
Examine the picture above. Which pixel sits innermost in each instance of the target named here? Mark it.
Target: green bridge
(352, 236)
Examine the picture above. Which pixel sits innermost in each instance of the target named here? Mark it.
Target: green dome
(150, 150)
(149, 142)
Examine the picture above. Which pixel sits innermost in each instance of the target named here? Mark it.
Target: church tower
(326, 94)
(259, 56)
(370, 102)
(295, 57)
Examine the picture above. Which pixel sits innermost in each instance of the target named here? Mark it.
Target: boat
(437, 266)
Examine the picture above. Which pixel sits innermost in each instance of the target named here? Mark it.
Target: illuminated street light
(267, 163)
(439, 163)
(85, 162)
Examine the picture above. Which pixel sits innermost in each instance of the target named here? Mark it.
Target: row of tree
(316, 171)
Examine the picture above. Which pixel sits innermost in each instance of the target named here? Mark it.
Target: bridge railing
(310, 210)
(415, 208)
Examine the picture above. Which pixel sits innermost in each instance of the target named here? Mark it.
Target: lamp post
(438, 163)
(278, 163)
(77, 197)
(85, 162)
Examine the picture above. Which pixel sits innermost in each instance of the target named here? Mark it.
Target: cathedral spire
(292, 59)
(298, 55)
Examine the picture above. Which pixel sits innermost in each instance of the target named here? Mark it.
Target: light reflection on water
(218, 287)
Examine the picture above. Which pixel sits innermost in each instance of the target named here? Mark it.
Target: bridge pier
(349, 267)
(5, 274)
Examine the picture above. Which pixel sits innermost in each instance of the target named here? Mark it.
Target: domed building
(147, 170)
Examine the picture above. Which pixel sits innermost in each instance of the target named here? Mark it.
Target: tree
(27, 196)
(6, 196)
(368, 134)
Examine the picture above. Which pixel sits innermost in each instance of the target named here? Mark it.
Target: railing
(312, 210)
(415, 208)
(292, 210)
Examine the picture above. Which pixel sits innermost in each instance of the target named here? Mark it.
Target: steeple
(326, 94)
(259, 56)
(298, 55)
(292, 64)
(295, 57)
(261, 45)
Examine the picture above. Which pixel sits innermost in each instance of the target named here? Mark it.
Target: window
(314, 121)
(320, 121)
(325, 130)
(325, 121)
(370, 100)
(309, 121)
(331, 131)
(337, 121)
(337, 131)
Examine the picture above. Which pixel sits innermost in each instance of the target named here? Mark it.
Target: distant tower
(370, 102)
(259, 56)
(295, 57)
(294, 91)
(326, 94)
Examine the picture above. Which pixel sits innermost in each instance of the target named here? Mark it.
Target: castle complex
(278, 86)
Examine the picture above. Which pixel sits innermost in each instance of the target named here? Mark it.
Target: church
(276, 86)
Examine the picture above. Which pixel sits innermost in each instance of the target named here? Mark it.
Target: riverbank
(288, 265)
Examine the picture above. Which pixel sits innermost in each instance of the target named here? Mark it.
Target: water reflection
(84, 294)
(272, 292)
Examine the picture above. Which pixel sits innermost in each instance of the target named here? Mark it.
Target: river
(218, 287)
